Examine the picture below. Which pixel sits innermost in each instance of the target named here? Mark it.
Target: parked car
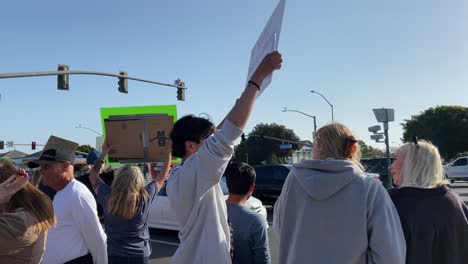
(457, 169)
(376, 166)
(162, 216)
(269, 181)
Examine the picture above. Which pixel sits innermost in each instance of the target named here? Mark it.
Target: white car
(457, 169)
(161, 215)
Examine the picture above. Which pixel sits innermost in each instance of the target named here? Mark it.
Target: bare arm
(240, 113)
(98, 167)
(161, 176)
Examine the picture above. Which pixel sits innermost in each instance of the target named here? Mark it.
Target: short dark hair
(239, 177)
(189, 128)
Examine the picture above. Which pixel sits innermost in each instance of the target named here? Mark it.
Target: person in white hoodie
(193, 187)
(329, 211)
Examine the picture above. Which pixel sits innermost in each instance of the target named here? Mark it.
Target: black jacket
(435, 224)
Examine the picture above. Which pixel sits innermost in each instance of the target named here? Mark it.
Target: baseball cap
(56, 150)
(93, 155)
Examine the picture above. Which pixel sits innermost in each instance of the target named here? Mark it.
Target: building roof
(14, 154)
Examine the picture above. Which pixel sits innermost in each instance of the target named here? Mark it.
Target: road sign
(285, 146)
(10, 144)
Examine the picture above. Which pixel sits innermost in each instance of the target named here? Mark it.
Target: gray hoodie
(329, 211)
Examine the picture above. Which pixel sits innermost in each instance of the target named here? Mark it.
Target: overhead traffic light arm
(63, 82)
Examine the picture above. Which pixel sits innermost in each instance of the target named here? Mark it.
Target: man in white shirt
(78, 235)
(193, 188)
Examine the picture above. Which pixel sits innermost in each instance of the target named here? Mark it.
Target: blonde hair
(128, 192)
(421, 165)
(34, 201)
(336, 141)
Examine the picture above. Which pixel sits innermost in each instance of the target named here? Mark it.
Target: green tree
(85, 148)
(6, 160)
(257, 149)
(369, 152)
(445, 126)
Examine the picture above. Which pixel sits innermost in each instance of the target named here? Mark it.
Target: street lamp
(81, 126)
(326, 101)
(385, 115)
(291, 110)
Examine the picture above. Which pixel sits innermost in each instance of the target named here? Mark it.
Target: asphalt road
(165, 242)
(462, 189)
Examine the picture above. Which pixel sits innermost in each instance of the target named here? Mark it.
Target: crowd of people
(329, 211)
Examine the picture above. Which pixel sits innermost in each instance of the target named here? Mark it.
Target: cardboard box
(138, 138)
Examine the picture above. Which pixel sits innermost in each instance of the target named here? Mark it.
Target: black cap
(56, 150)
(52, 155)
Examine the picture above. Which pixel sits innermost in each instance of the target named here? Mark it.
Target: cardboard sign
(138, 138)
(131, 147)
(126, 139)
(59, 143)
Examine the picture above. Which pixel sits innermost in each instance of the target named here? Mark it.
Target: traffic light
(242, 137)
(62, 80)
(180, 90)
(2, 145)
(123, 82)
(33, 145)
(181, 94)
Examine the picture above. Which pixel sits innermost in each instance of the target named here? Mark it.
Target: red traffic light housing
(33, 145)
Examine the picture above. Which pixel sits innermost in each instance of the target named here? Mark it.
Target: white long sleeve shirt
(78, 230)
(198, 202)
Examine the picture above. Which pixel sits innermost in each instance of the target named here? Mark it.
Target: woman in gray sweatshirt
(329, 211)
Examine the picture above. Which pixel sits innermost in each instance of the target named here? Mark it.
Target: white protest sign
(99, 143)
(267, 42)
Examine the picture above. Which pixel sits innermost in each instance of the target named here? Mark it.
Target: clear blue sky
(406, 55)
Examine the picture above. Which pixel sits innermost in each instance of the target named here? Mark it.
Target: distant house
(15, 156)
(305, 152)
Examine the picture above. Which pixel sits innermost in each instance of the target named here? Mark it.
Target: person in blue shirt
(250, 236)
(126, 209)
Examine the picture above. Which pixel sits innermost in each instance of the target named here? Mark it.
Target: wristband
(254, 84)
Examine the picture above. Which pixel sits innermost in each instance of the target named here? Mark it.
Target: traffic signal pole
(179, 85)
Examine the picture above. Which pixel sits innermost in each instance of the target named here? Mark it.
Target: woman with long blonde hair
(126, 209)
(329, 211)
(434, 218)
(26, 216)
